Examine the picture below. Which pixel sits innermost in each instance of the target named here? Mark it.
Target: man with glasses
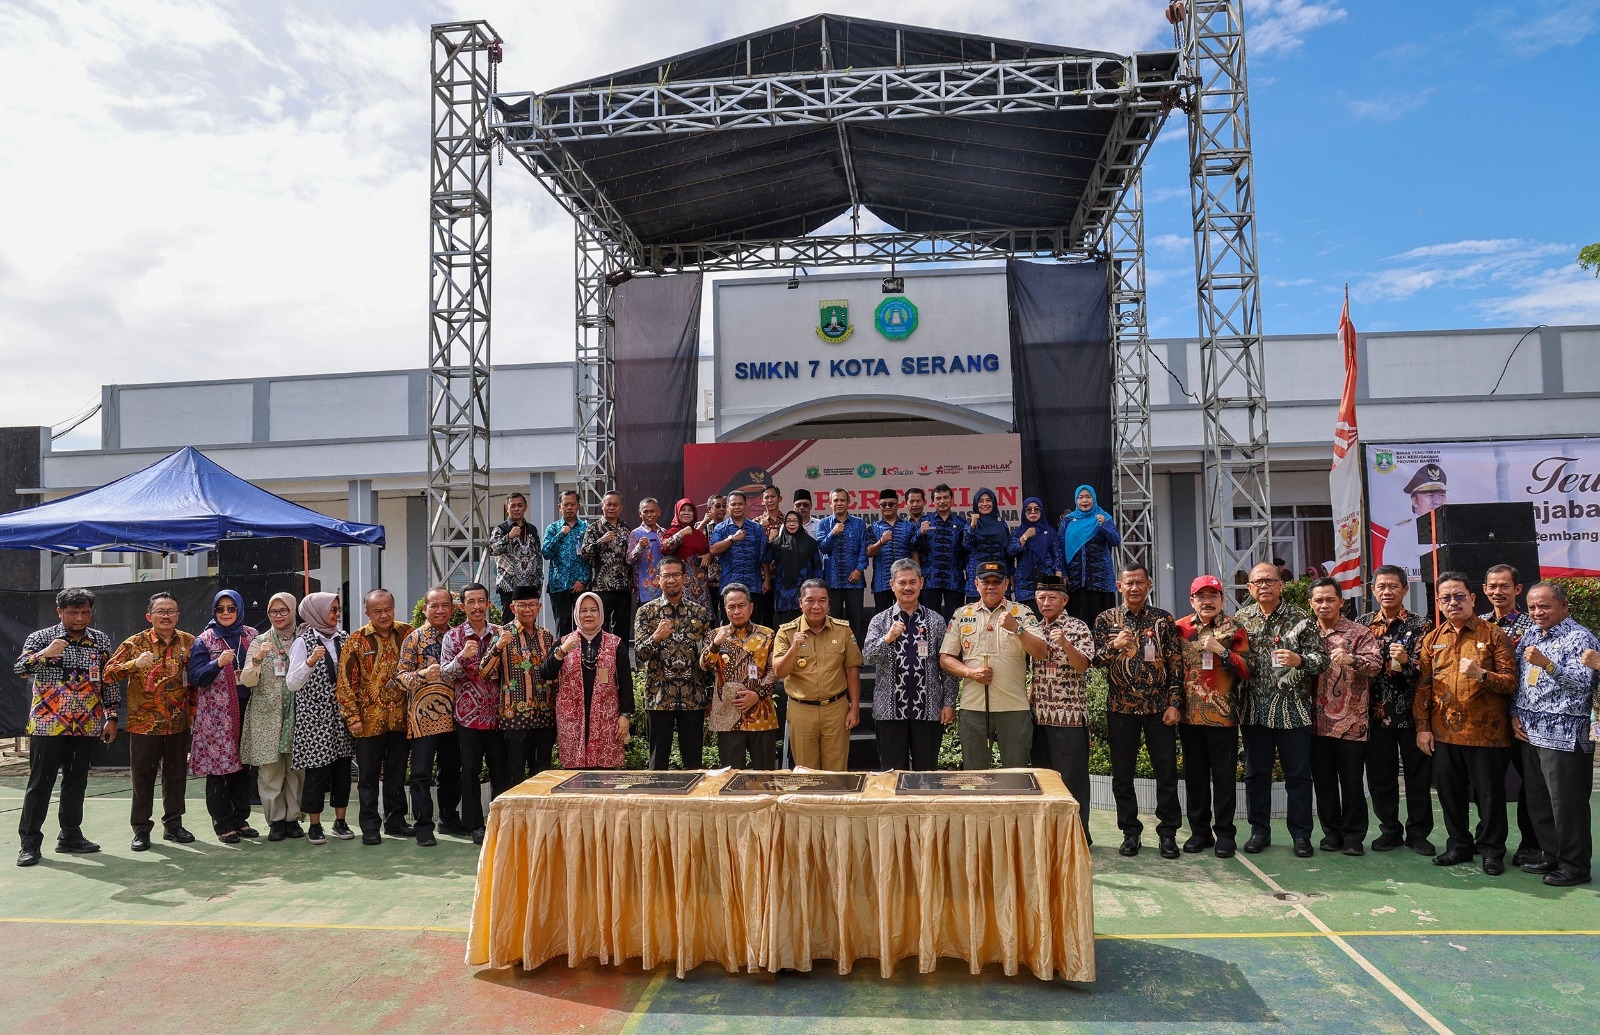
(1502, 586)
(430, 719)
(374, 707)
(1275, 708)
(155, 663)
(1467, 676)
(72, 707)
(888, 541)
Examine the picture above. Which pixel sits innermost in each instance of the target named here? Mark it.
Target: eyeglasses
(277, 612)
(166, 612)
(1258, 583)
(225, 609)
(1453, 598)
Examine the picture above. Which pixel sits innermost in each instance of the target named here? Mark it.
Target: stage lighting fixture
(793, 284)
(618, 278)
(894, 285)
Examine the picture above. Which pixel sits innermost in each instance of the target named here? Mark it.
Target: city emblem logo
(833, 325)
(813, 473)
(866, 471)
(1385, 462)
(895, 318)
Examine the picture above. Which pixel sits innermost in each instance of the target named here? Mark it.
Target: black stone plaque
(795, 783)
(628, 782)
(967, 783)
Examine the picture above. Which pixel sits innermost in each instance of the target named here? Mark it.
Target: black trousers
(381, 761)
(618, 604)
(444, 749)
(882, 601)
(1293, 749)
(148, 753)
(908, 743)
(763, 606)
(1521, 759)
(1086, 604)
(1388, 750)
(478, 747)
(1066, 750)
(944, 601)
(1123, 733)
(562, 602)
(748, 749)
(1211, 778)
(1559, 784)
(228, 800)
(846, 604)
(47, 757)
(691, 729)
(1472, 774)
(331, 781)
(1336, 767)
(527, 753)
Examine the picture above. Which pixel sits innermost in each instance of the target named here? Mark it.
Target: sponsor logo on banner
(895, 318)
(981, 468)
(865, 471)
(833, 323)
(813, 473)
(1383, 462)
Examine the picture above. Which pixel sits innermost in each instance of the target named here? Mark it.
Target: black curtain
(1061, 379)
(657, 359)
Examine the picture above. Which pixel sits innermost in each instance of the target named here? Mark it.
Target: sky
(200, 189)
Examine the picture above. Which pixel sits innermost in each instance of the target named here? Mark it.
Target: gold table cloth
(777, 881)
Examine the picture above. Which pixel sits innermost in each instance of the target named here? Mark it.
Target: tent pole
(305, 567)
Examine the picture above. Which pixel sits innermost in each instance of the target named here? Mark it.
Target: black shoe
(1494, 867)
(1225, 848)
(28, 857)
(1258, 843)
(1526, 855)
(1422, 847)
(230, 838)
(477, 836)
(1556, 878)
(249, 832)
(1354, 848)
(452, 825)
(342, 831)
(1332, 844)
(1388, 843)
(425, 839)
(77, 846)
(1198, 843)
(1451, 858)
(291, 828)
(400, 830)
(1130, 845)
(141, 841)
(1538, 866)
(1303, 849)
(315, 836)
(178, 834)
(1169, 846)
(372, 838)
(275, 830)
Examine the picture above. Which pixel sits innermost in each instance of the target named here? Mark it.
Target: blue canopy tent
(179, 504)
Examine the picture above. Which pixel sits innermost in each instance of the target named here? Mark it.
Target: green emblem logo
(833, 325)
(895, 318)
(866, 471)
(1385, 462)
(813, 473)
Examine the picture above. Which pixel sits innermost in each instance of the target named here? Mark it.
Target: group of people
(1003, 652)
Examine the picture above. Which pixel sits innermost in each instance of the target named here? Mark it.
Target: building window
(1302, 536)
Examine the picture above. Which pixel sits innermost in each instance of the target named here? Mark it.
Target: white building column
(363, 560)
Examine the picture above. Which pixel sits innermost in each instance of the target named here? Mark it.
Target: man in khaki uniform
(820, 663)
(987, 645)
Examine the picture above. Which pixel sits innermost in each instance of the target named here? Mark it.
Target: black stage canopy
(1028, 168)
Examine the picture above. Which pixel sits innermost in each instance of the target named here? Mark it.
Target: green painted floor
(286, 937)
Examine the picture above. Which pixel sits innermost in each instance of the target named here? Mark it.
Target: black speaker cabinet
(263, 556)
(258, 589)
(1475, 560)
(1478, 523)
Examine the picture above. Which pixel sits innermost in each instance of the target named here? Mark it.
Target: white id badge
(755, 673)
(280, 665)
(1150, 651)
(922, 649)
(1208, 661)
(1533, 675)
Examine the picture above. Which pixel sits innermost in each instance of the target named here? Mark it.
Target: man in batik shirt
(431, 720)
(1059, 692)
(567, 572)
(1502, 587)
(373, 704)
(739, 657)
(667, 634)
(1391, 734)
(1215, 659)
(161, 702)
(605, 550)
(1339, 745)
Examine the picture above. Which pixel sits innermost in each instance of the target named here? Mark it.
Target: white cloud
(1505, 268)
(1564, 295)
(1278, 27)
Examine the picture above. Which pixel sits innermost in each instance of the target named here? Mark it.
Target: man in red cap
(1215, 658)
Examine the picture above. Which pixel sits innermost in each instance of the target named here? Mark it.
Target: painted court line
(1349, 950)
(642, 1007)
(231, 924)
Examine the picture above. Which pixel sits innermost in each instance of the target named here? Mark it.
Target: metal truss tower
(1132, 482)
(464, 56)
(1233, 376)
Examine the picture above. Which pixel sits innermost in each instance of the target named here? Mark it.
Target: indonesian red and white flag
(1345, 480)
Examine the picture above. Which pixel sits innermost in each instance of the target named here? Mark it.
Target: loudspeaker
(1478, 523)
(258, 589)
(1475, 560)
(262, 556)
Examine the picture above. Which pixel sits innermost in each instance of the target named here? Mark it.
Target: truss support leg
(1133, 483)
(596, 349)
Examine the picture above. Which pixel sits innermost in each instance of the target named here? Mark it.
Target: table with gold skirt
(776, 881)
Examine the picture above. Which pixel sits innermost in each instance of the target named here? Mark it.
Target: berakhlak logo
(833, 322)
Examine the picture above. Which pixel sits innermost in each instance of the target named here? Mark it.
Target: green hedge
(1583, 596)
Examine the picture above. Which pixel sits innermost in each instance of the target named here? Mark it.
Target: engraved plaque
(795, 783)
(966, 783)
(641, 781)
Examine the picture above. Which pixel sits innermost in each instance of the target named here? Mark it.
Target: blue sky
(211, 189)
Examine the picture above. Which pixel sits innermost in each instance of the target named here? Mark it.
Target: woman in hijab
(684, 539)
(1083, 557)
(214, 662)
(1032, 547)
(269, 721)
(986, 537)
(795, 558)
(321, 744)
(594, 691)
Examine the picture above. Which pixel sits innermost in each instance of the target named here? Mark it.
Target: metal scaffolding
(1233, 375)
(1132, 484)
(464, 56)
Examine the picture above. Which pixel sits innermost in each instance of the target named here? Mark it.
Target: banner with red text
(1344, 482)
(1560, 476)
(863, 467)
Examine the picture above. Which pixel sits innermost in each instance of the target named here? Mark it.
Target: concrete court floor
(284, 937)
